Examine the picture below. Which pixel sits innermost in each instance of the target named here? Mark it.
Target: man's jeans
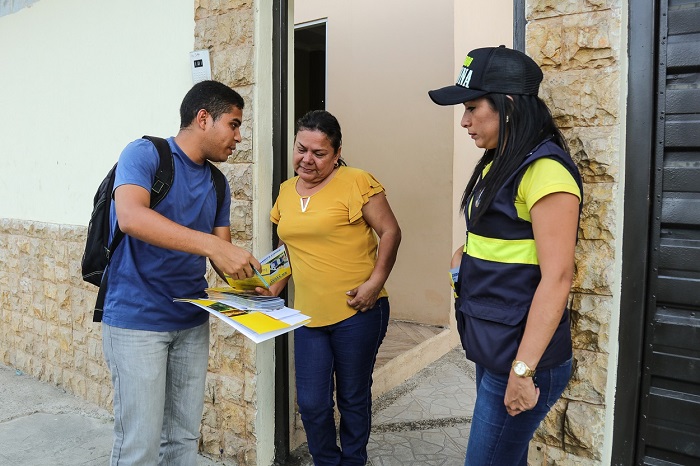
(498, 439)
(158, 380)
(347, 350)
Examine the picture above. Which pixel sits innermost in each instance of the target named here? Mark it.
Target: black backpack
(98, 249)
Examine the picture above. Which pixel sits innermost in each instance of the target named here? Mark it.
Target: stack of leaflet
(251, 317)
(245, 302)
(257, 317)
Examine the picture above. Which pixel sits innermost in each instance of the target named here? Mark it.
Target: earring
(336, 165)
(507, 118)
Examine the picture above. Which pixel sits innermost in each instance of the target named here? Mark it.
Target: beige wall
(484, 25)
(383, 57)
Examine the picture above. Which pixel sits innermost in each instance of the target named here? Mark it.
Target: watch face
(519, 368)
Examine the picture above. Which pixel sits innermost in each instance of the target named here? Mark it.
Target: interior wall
(377, 87)
(471, 32)
(380, 68)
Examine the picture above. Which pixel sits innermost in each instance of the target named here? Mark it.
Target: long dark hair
(325, 122)
(529, 122)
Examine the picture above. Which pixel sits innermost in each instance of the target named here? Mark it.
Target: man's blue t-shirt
(144, 279)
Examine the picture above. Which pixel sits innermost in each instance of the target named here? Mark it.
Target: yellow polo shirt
(542, 177)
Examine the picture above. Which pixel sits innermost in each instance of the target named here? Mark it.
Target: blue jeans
(347, 350)
(158, 380)
(498, 439)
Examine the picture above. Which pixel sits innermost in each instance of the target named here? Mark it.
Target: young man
(156, 349)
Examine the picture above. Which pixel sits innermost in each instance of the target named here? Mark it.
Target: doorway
(309, 68)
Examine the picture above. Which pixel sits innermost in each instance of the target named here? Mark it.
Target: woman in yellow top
(327, 217)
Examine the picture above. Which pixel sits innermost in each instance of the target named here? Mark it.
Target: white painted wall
(262, 237)
(79, 79)
(616, 286)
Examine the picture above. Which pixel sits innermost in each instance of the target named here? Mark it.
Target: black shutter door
(669, 421)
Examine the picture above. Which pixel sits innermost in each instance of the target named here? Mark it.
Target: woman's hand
(274, 290)
(364, 296)
(521, 394)
(263, 291)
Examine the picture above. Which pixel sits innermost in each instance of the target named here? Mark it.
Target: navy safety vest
(499, 273)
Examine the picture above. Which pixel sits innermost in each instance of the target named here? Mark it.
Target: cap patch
(464, 77)
(468, 61)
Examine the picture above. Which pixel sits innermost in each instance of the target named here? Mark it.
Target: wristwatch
(521, 369)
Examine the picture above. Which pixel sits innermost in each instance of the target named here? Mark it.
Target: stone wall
(46, 331)
(578, 45)
(226, 28)
(46, 327)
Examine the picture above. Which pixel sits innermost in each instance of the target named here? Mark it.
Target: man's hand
(232, 260)
(138, 220)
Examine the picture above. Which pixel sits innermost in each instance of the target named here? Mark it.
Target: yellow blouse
(331, 248)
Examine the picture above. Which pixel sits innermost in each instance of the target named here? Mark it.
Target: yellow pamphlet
(259, 322)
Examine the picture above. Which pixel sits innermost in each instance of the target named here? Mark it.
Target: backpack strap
(166, 170)
(219, 181)
(161, 185)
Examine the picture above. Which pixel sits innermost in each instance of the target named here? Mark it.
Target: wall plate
(200, 64)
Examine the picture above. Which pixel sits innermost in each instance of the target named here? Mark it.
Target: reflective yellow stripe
(507, 251)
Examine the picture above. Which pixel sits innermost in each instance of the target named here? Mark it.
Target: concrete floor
(423, 421)
(420, 417)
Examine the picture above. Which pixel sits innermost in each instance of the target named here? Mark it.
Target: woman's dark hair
(214, 97)
(325, 122)
(529, 123)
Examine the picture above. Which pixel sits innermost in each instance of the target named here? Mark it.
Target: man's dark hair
(214, 97)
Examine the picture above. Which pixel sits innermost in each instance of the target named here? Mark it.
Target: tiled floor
(402, 336)
(423, 421)
(426, 420)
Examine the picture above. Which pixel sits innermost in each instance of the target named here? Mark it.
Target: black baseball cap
(491, 69)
